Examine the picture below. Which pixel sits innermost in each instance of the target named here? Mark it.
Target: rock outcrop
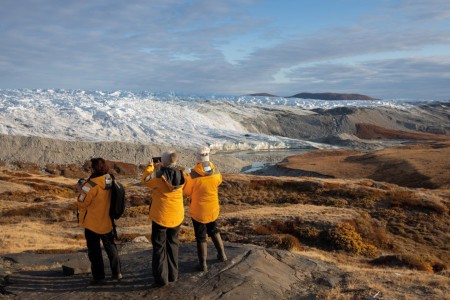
(251, 272)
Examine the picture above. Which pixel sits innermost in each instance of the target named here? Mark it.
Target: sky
(398, 49)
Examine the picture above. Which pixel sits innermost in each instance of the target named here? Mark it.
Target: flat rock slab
(251, 272)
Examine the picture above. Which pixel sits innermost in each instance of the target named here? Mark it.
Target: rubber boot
(218, 243)
(202, 251)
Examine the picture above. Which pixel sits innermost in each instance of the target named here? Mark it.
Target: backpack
(117, 206)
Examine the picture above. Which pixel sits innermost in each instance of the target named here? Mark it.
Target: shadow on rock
(251, 272)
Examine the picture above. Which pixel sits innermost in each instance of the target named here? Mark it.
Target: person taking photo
(166, 213)
(202, 186)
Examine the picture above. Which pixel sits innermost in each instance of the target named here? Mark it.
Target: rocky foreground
(251, 272)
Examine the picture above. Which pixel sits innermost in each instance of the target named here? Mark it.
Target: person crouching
(202, 186)
(167, 214)
(93, 205)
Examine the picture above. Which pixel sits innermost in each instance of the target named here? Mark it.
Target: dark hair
(99, 167)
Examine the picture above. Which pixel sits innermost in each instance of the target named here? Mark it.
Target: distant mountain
(262, 95)
(320, 96)
(332, 96)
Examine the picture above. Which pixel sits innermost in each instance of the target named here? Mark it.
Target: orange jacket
(202, 186)
(167, 207)
(93, 205)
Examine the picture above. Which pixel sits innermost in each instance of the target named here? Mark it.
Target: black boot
(217, 240)
(202, 252)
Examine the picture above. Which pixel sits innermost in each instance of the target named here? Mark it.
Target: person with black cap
(167, 213)
(202, 186)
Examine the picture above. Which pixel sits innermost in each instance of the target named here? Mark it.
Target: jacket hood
(205, 168)
(103, 181)
(172, 177)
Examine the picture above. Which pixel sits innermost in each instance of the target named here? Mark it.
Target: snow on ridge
(148, 118)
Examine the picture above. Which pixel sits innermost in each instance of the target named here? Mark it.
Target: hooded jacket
(167, 208)
(202, 186)
(93, 204)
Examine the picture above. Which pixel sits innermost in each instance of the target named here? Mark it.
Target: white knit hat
(203, 154)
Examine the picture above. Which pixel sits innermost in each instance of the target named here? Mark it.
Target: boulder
(77, 265)
(140, 239)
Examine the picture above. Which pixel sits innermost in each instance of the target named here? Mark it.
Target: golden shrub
(283, 242)
(345, 237)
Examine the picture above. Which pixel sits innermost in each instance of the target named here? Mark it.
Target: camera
(79, 185)
(156, 159)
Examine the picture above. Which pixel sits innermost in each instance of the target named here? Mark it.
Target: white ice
(150, 118)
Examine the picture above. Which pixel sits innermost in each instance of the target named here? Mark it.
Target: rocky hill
(262, 95)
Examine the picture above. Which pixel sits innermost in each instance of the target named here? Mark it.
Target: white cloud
(411, 78)
(194, 46)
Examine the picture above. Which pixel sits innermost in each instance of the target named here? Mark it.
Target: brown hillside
(372, 132)
(425, 165)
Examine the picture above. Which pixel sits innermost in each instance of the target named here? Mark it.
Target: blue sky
(385, 49)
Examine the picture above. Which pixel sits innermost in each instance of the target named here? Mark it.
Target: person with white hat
(202, 186)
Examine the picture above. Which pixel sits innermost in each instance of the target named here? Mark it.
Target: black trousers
(95, 253)
(165, 253)
(200, 230)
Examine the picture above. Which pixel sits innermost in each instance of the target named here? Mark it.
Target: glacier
(156, 118)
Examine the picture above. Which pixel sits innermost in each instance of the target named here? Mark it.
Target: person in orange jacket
(167, 213)
(202, 186)
(93, 205)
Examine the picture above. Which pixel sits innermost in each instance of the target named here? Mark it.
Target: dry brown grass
(388, 217)
(40, 212)
(422, 165)
(364, 281)
(372, 132)
(398, 283)
(29, 235)
(344, 217)
(408, 200)
(186, 234)
(409, 261)
(136, 210)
